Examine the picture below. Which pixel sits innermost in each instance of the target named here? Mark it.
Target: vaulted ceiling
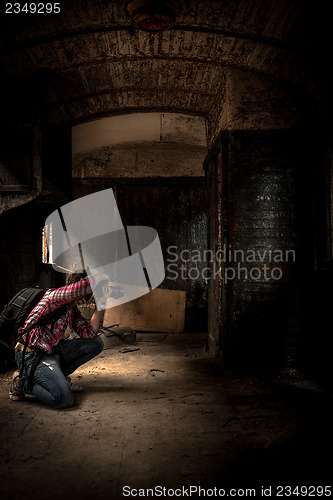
(88, 61)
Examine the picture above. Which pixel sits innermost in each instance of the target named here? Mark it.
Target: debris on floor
(153, 416)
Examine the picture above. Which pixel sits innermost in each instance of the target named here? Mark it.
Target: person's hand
(99, 302)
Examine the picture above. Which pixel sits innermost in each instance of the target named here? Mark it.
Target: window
(47, 257)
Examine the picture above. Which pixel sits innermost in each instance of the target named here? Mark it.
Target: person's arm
(84, 328)
(69, 293)
(95, 320)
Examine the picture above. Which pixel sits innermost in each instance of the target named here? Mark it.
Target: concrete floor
(159, 413)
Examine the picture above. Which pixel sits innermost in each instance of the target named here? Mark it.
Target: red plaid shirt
(45, 337)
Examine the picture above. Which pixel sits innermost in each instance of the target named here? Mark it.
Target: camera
(106, 290)
(116, 291)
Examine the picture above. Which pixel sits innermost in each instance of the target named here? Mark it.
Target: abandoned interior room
(211, 122)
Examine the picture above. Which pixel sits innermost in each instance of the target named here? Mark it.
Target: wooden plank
(158, 311)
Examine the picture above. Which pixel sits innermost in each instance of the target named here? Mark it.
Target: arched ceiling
(88, 61)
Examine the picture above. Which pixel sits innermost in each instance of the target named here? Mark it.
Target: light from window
(47, 257)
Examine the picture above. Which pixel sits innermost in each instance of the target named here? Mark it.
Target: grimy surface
(161, 414)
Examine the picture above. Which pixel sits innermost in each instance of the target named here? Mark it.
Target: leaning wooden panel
(158, 311)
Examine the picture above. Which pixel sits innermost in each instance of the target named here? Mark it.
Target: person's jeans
(49, 380)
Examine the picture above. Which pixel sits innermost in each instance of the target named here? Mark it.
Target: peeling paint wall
(141, 160)
(250, 101)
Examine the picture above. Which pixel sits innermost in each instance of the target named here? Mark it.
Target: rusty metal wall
(261, 244)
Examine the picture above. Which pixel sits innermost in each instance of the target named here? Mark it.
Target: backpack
(16, 312)
(14, 315)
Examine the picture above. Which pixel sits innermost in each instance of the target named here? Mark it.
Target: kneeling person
(50, 358)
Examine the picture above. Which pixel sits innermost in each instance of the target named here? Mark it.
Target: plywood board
(158, 311)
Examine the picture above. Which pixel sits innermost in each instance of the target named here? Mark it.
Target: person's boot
(14, 392)
(74, 387)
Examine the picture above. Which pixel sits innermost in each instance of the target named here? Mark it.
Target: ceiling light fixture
(152, 15)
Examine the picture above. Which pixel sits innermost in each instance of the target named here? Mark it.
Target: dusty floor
(159, 413)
